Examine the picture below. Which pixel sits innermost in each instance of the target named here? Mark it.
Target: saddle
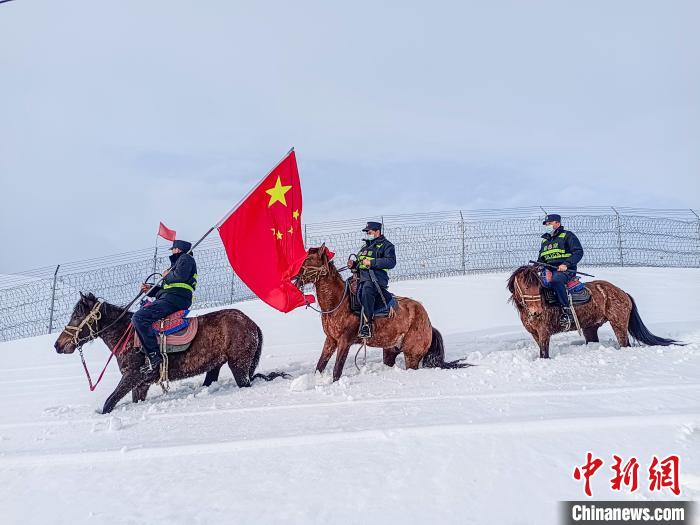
(577, 290)
(380, 310)
(177, 329)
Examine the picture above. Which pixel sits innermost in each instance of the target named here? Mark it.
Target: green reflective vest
(552, 250)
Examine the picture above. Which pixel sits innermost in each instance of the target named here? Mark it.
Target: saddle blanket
(578, 297)
(178, 340)
(175, 322)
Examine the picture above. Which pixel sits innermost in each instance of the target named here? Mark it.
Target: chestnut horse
(608, 304)
(225, 336)
(409, 330)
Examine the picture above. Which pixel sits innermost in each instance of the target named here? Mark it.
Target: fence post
(619, 236)
(53, 298)
(155, 260)
(305, 236)
(464, 247)
(698, 219)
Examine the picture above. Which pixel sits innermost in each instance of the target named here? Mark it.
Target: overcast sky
(116, 115)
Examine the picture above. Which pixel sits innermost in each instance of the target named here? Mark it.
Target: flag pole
(257, 185)
(228, 214)
(155, 254)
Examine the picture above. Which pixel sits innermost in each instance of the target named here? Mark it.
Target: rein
(311, 275)
(90, 321)
(118, 349)
(94, 315)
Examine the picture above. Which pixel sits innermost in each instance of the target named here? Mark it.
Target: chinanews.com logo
(627, 512)
(659, 475)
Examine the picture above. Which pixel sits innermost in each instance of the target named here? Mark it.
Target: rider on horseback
(560, 248)
(176, 294)
(374, 260)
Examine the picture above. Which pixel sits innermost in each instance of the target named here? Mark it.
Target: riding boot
(152, 364)
(566, 320)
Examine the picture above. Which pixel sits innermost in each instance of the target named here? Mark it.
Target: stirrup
(565, 320)
(365, 331)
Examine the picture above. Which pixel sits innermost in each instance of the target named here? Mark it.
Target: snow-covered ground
(496, 443)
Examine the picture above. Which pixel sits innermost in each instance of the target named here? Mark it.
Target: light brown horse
(608, 304)
(224, 337)
(409, 330)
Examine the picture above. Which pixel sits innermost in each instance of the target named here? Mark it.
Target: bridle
(90, 321)
(93, 317)
(311, 275)
(526, 298)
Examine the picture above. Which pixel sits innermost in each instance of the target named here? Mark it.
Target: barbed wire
(430, 244)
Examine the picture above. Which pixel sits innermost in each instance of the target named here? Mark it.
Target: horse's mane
(111, 311)
(529, 275)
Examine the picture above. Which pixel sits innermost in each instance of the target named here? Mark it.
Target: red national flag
(264, 240)
(166, 233)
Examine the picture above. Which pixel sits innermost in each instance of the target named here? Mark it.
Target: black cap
(372, 226)
(552, 217)
(183, 245)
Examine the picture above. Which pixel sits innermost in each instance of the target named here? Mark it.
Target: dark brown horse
(608, 304)
(409, 330)
(224, 337)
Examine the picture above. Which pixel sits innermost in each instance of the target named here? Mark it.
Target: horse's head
(524, 285)
(316, 265)
(82, 325)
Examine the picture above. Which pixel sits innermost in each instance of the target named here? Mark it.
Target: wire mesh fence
(428, 245)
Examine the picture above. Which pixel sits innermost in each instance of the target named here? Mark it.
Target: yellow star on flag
(295, 214)
(277, 192)
(291, 230)
(279, 235)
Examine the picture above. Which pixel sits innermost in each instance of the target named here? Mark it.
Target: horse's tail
(435, 358)
(641, 333)
(258, 352)
(270, 376)
(256, 360)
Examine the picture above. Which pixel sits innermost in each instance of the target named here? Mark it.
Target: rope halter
(311, 274)
(527, 298)
(90, 321)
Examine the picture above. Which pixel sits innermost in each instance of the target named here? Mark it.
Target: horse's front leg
(343, 349)
(543, 342)
(139, 393)
(128, 382)
(326, 353)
